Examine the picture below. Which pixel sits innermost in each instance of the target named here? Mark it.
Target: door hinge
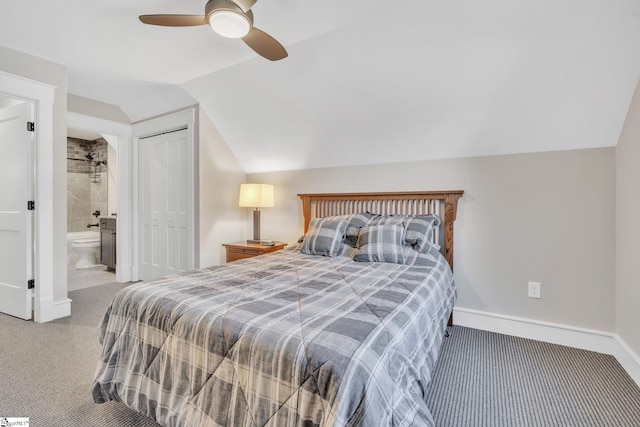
(31, 126)
(31, 205)
(31, 284)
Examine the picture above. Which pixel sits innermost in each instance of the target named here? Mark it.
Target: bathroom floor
(88, 277)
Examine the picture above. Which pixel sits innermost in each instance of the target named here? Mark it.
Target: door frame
(180, 119)
(124, 224)
(42, 94)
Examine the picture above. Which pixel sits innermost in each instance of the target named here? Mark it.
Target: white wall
(221, 220)
(91, 107)
(628, 228)
(546, 217)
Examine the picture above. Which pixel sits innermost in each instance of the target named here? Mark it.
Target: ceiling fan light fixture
(228, 18)
(229, 23)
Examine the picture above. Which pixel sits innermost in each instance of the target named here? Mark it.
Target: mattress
(283, 339)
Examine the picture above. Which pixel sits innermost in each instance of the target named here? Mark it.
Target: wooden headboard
(442, 203)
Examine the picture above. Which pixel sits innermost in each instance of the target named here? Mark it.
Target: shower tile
(83, 196)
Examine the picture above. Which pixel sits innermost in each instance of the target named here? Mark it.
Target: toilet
(88, 251)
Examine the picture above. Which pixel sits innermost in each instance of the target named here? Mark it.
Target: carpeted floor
(46, 369)
(488, 379)
(483, 379)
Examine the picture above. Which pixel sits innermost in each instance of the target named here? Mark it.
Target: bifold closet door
(165, 232)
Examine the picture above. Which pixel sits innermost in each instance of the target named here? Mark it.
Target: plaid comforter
(283, 339)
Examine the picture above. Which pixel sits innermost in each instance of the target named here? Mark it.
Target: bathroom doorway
(92, 175)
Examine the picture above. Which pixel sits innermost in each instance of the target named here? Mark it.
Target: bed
(293, 338)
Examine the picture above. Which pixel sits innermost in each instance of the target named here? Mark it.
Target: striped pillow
(324, 237)
(381, 243)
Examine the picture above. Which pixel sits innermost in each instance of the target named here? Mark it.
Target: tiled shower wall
(86, 183)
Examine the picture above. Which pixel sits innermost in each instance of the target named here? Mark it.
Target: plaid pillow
(388, 219)
(354, 222)
(324, 237)
(419, 228)
(381, 243)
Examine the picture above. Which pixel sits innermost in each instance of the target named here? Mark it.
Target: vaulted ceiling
(365, 81)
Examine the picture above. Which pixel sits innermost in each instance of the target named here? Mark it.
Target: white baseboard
(61, 308)
(627, 358)
(51, 310)
(587, 339)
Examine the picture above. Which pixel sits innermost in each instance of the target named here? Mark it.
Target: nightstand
(239, 250)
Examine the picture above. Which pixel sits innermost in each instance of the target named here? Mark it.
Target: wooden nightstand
(239, 250)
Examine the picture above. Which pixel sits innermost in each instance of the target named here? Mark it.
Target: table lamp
(256, 196)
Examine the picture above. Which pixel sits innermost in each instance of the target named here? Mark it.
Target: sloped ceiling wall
(442, 80)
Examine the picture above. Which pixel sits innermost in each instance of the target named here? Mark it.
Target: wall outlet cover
(535, 289)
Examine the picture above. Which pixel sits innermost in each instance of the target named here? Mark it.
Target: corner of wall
(220, 173)
(627, 208)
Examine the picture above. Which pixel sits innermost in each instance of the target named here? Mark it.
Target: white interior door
(165, 228)
(16, 221)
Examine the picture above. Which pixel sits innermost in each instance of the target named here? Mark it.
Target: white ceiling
(365, 81)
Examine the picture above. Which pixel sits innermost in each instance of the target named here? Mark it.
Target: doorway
(92, 167)
(117, 135)
(17, 177)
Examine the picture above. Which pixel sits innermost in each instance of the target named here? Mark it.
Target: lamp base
(254, 241)
(256, 227)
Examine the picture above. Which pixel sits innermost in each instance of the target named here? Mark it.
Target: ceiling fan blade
(174, 20)
(265, 45)
(245, 5)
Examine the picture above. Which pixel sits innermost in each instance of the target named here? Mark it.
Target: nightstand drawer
(247, 252)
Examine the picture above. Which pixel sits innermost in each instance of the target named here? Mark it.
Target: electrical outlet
(535, 289)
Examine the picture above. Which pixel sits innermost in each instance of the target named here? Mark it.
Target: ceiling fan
(232, 19)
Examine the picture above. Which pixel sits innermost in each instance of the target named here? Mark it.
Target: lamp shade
(256, 196)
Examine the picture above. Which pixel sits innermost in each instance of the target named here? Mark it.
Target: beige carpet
(46, 369)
